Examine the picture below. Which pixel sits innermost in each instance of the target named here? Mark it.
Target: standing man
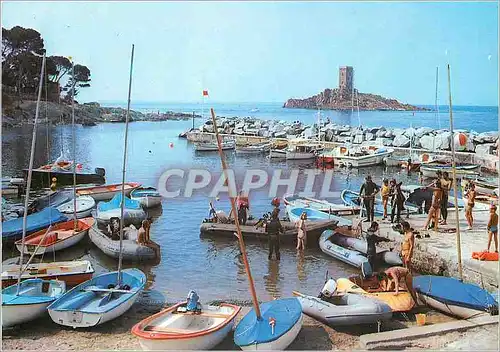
(273, 229)
(398, 203)
(445, 186)
(371, 241)
(367, 192)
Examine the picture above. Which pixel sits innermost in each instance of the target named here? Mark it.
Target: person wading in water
(367, 192)
(273, 229)
(243, 207)
(302, 232)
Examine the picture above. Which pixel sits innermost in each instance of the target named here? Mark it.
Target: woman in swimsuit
(407, 245)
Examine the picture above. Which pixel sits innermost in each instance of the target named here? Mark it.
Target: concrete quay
(437, 255)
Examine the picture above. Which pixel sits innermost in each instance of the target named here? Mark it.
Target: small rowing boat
(84, 206)
(106, 192)
(55, 238)
(72, 272)
(319, 204)
(212, 146)
(98, 300)
(453, 297)
(464, 170)
(177, 328)
(149, 197)
(132, 211)
(30, 301)
(254, 148)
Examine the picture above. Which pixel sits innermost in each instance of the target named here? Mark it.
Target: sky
(272, 51)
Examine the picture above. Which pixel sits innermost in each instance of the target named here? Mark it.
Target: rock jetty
(341, 99)
(420, 138)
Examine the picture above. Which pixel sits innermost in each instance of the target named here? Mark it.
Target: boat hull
(212, 325)
(77, 308)
(43, 178)
(84, 272)
(363, 161)
(131, 250)
(21, 313)
(279, 344)
(450, 309)
(201, 343)
(460, 171)
(277, 154)
(107, 192)
(347, 256)
(356, 309)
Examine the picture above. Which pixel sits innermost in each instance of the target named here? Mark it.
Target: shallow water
(209, 266)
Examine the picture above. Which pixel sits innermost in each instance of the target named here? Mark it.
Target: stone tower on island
(346, 78)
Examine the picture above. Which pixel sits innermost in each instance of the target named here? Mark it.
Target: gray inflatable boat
(345, 309)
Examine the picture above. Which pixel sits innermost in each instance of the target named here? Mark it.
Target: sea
(211, 266)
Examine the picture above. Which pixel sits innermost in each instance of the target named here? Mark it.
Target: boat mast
(319, 125)
(357, 105)
(236, 221)
(30, 171)
(455, 189)
(436, 99)
(122, 206)
(75, 220)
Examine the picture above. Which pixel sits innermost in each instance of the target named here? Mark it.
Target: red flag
(205, 93)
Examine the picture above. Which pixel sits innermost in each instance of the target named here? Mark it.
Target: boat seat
(63, 234)
(167, 330)
(203, 314)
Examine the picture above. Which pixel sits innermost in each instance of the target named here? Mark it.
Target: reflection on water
(211, 266)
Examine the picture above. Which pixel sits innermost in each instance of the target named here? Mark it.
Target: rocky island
(341, 98)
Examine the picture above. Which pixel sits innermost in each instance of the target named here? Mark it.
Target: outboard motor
(329, 289)
(193, 304)
(100, 171)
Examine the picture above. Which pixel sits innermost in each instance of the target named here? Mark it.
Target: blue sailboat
(454, 297)
(279, 324)
(12, 230)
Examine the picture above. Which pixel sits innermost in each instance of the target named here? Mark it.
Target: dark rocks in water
(341, 99)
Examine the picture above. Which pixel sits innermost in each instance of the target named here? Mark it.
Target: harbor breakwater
(481, 148)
